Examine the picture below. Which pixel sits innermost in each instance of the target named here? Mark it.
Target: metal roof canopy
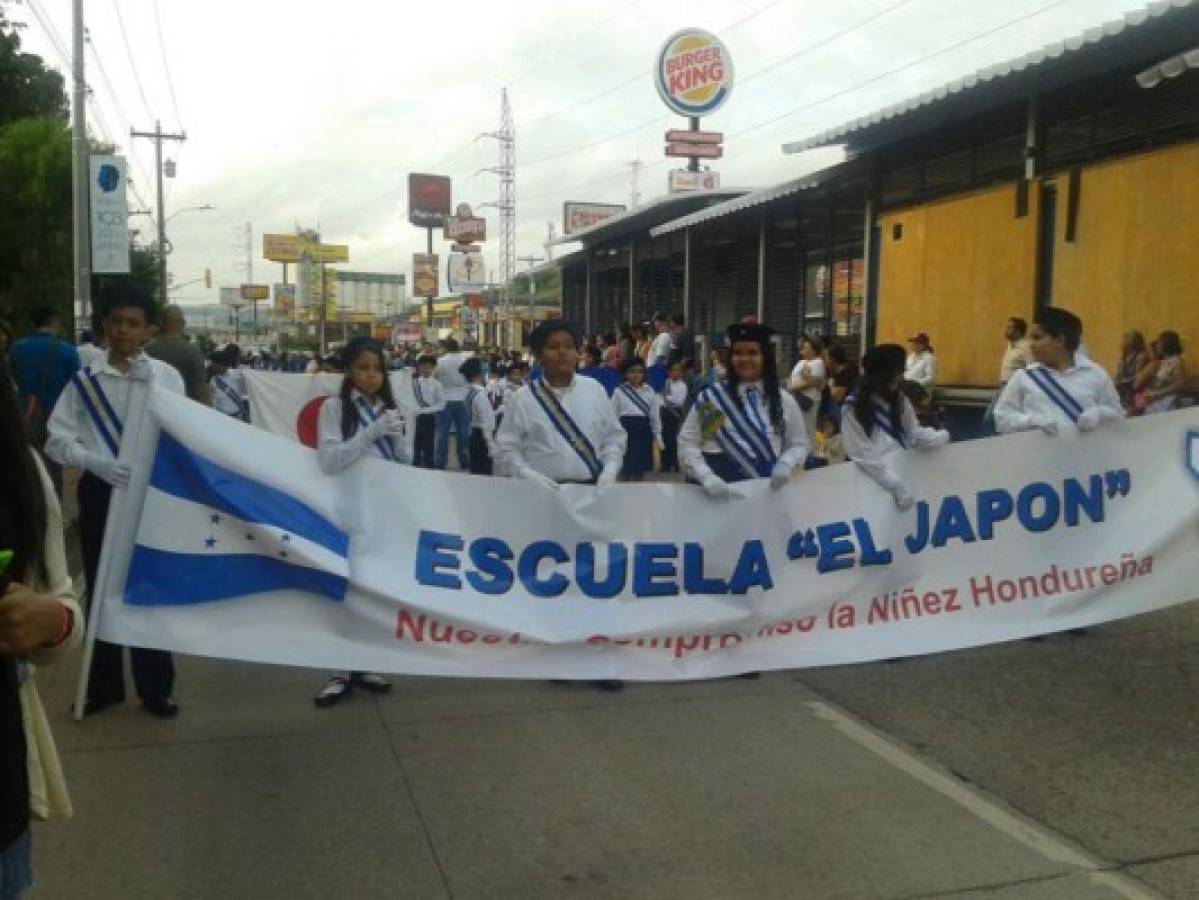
(1141, 36)
(1169, 68)
(644, 217)
(812, 180)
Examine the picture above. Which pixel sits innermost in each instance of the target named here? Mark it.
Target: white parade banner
(230, 542)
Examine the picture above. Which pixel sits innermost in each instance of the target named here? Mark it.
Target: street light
(179, 212)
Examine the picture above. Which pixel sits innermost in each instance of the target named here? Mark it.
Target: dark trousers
(672, 421)
(425, 440)
(153, 670)
(480, 458)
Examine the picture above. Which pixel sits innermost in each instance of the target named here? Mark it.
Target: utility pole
(551, 234)
(506, 205)
(532, 261)
(80, 172)
(158, 136)
(634, 183)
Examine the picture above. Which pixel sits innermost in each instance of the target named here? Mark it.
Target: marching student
(482, 418)
(512, 382)
(879, 421)
(561, 428)
(362, 420)
(1061, 387)
(228, 384)
(430, 401)
(674, 401)
(639, 410)
(85, 432)
(744, 426)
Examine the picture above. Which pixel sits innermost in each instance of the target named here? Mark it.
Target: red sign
(474, 301)
(702, 151)
(428, 200)
(694, 137)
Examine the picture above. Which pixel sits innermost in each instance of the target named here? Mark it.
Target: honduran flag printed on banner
(208, 533)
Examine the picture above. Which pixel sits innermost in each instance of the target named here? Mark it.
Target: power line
(133, 65)
(126, 121)
(162, 48)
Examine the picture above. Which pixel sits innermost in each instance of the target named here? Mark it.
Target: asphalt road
(1064, 768)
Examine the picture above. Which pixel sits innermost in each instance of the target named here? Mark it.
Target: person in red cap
(921, 365)
(744, 426)
(879, 422)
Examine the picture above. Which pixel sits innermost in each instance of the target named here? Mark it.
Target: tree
(28, 88)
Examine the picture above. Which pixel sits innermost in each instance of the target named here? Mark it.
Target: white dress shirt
(429, 394)
(921, 368)
(674, 394)
(72, 432)
(660, 349)
(1022, 405)
(791, 447)
(335, 453)
(91, 355)
(623, 406)
(528, 439)
(877, 453)
(452, 381)
(235, 381)
(809, 368)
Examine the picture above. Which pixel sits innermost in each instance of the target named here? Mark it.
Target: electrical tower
(551, 234)
(634, 184)
(506, 205)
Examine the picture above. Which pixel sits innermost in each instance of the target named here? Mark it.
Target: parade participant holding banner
(561, 428)
(430, 400)
(482, 418)
(86, 431)
(362, 420)
(745, 426)
(1062, 386)
(228, 385)
(639, 409)
(879, 421)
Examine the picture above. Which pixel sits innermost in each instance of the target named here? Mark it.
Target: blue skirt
(639, 455)
(16, 868)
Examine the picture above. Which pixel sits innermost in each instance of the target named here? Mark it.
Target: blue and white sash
(99, 409)
(243, 408)
(366, 416)
(882, 418)
(1052, 388)
(566, 426)
(742, 436)
(471, 394)
(636, 398)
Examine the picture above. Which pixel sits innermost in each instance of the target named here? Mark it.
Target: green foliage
(28, 88)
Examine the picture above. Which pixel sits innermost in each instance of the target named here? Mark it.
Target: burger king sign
(694, 73)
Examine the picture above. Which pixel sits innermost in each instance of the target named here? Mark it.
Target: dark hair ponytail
(874, 385)
(349, 412)
(22, 499)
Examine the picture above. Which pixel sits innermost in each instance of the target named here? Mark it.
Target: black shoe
(369, 681)
(93, 705)
(612, 685)
(160, 707)
(750, 676)
(334, 690)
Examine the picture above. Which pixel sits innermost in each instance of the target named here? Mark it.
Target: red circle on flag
(307, 419)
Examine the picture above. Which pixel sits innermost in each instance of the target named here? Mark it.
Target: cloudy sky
(311, 113)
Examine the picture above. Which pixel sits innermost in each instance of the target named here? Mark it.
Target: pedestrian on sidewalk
(86, 430)
(361, 421)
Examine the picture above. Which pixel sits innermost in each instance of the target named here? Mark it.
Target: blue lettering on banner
(492, 574)
(431, 555)
(752, 569)
(652, 562)
(618, 567)
(694, 580)
(531, 558)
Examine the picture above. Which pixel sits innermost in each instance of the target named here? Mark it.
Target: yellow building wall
(961, 269)
(1134, 262)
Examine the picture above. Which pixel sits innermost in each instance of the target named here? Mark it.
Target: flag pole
(138, 402)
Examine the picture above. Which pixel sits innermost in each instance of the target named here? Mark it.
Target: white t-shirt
(659, 351)
(809, 368)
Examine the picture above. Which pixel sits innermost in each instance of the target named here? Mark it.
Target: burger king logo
(694, 72)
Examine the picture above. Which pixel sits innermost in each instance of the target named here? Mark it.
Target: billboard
(429, 199)
(424, 275)
(110, 213)
(578, 217)
(283, 248)
(329, 253)
(231, 296)
(464, 226)
(253, 292)
(465, 273)
(693, 73)
(684, 180)
(285, 300)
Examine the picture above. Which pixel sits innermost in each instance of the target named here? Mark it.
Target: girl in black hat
(879, 420)
(744, 426)
(639, 409)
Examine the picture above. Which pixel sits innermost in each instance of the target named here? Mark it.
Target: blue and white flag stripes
(393, 568)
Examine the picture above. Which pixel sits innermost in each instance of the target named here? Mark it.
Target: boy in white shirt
(430, 400)
(85, 432)
(228, 385)
(482, 419)
(1061, 386)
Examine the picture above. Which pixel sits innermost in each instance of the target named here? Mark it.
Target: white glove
(1088, 419)
(392, 422)
(903, 499)
(607, 477)
(780, 475)
(716, 487)
(658, 443)
(940, 439)
(1045, 423)
(543, 481)
(141, 369)
(107, 469)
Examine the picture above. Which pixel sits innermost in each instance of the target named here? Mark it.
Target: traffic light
(208, 278)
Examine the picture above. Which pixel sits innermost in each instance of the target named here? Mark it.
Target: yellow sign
(255, 292)
(291, 248)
